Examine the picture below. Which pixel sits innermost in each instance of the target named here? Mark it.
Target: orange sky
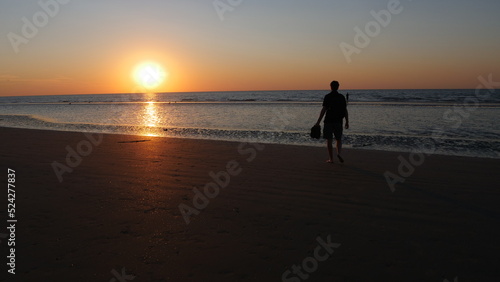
(88, 48)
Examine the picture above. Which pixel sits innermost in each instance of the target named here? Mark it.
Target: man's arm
(346, 119)
(321, 115)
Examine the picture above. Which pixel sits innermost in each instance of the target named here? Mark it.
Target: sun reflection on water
(150, 118)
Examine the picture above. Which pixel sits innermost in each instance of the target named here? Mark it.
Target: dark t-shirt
(335, 107)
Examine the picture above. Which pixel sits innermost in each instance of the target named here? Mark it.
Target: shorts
(331, 129)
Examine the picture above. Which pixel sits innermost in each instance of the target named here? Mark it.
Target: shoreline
(119, 209)
(320, 143)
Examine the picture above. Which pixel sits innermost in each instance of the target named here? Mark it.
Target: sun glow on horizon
(149, 75)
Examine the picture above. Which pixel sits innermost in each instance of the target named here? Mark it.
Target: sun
(149, 75)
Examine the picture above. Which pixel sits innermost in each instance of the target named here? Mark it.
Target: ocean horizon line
(241, 91)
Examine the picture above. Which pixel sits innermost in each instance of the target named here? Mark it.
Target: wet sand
(118, 209)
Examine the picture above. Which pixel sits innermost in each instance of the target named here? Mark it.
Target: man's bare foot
(340, 158)
(330, 161)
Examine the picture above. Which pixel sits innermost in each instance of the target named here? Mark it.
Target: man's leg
(339, 149)
(328, 135)
(338, 137)
(329, 144)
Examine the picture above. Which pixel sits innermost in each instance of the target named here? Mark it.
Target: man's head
(334, 85)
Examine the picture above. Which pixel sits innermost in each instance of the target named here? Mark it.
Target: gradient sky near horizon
(92, 46)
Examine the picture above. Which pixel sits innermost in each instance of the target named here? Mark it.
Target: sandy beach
(277, 206)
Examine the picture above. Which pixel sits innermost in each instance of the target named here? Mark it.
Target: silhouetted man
(335, 108)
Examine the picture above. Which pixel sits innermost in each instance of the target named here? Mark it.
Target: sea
(461, 122)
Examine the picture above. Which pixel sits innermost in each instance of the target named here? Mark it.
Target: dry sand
(120, 209)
